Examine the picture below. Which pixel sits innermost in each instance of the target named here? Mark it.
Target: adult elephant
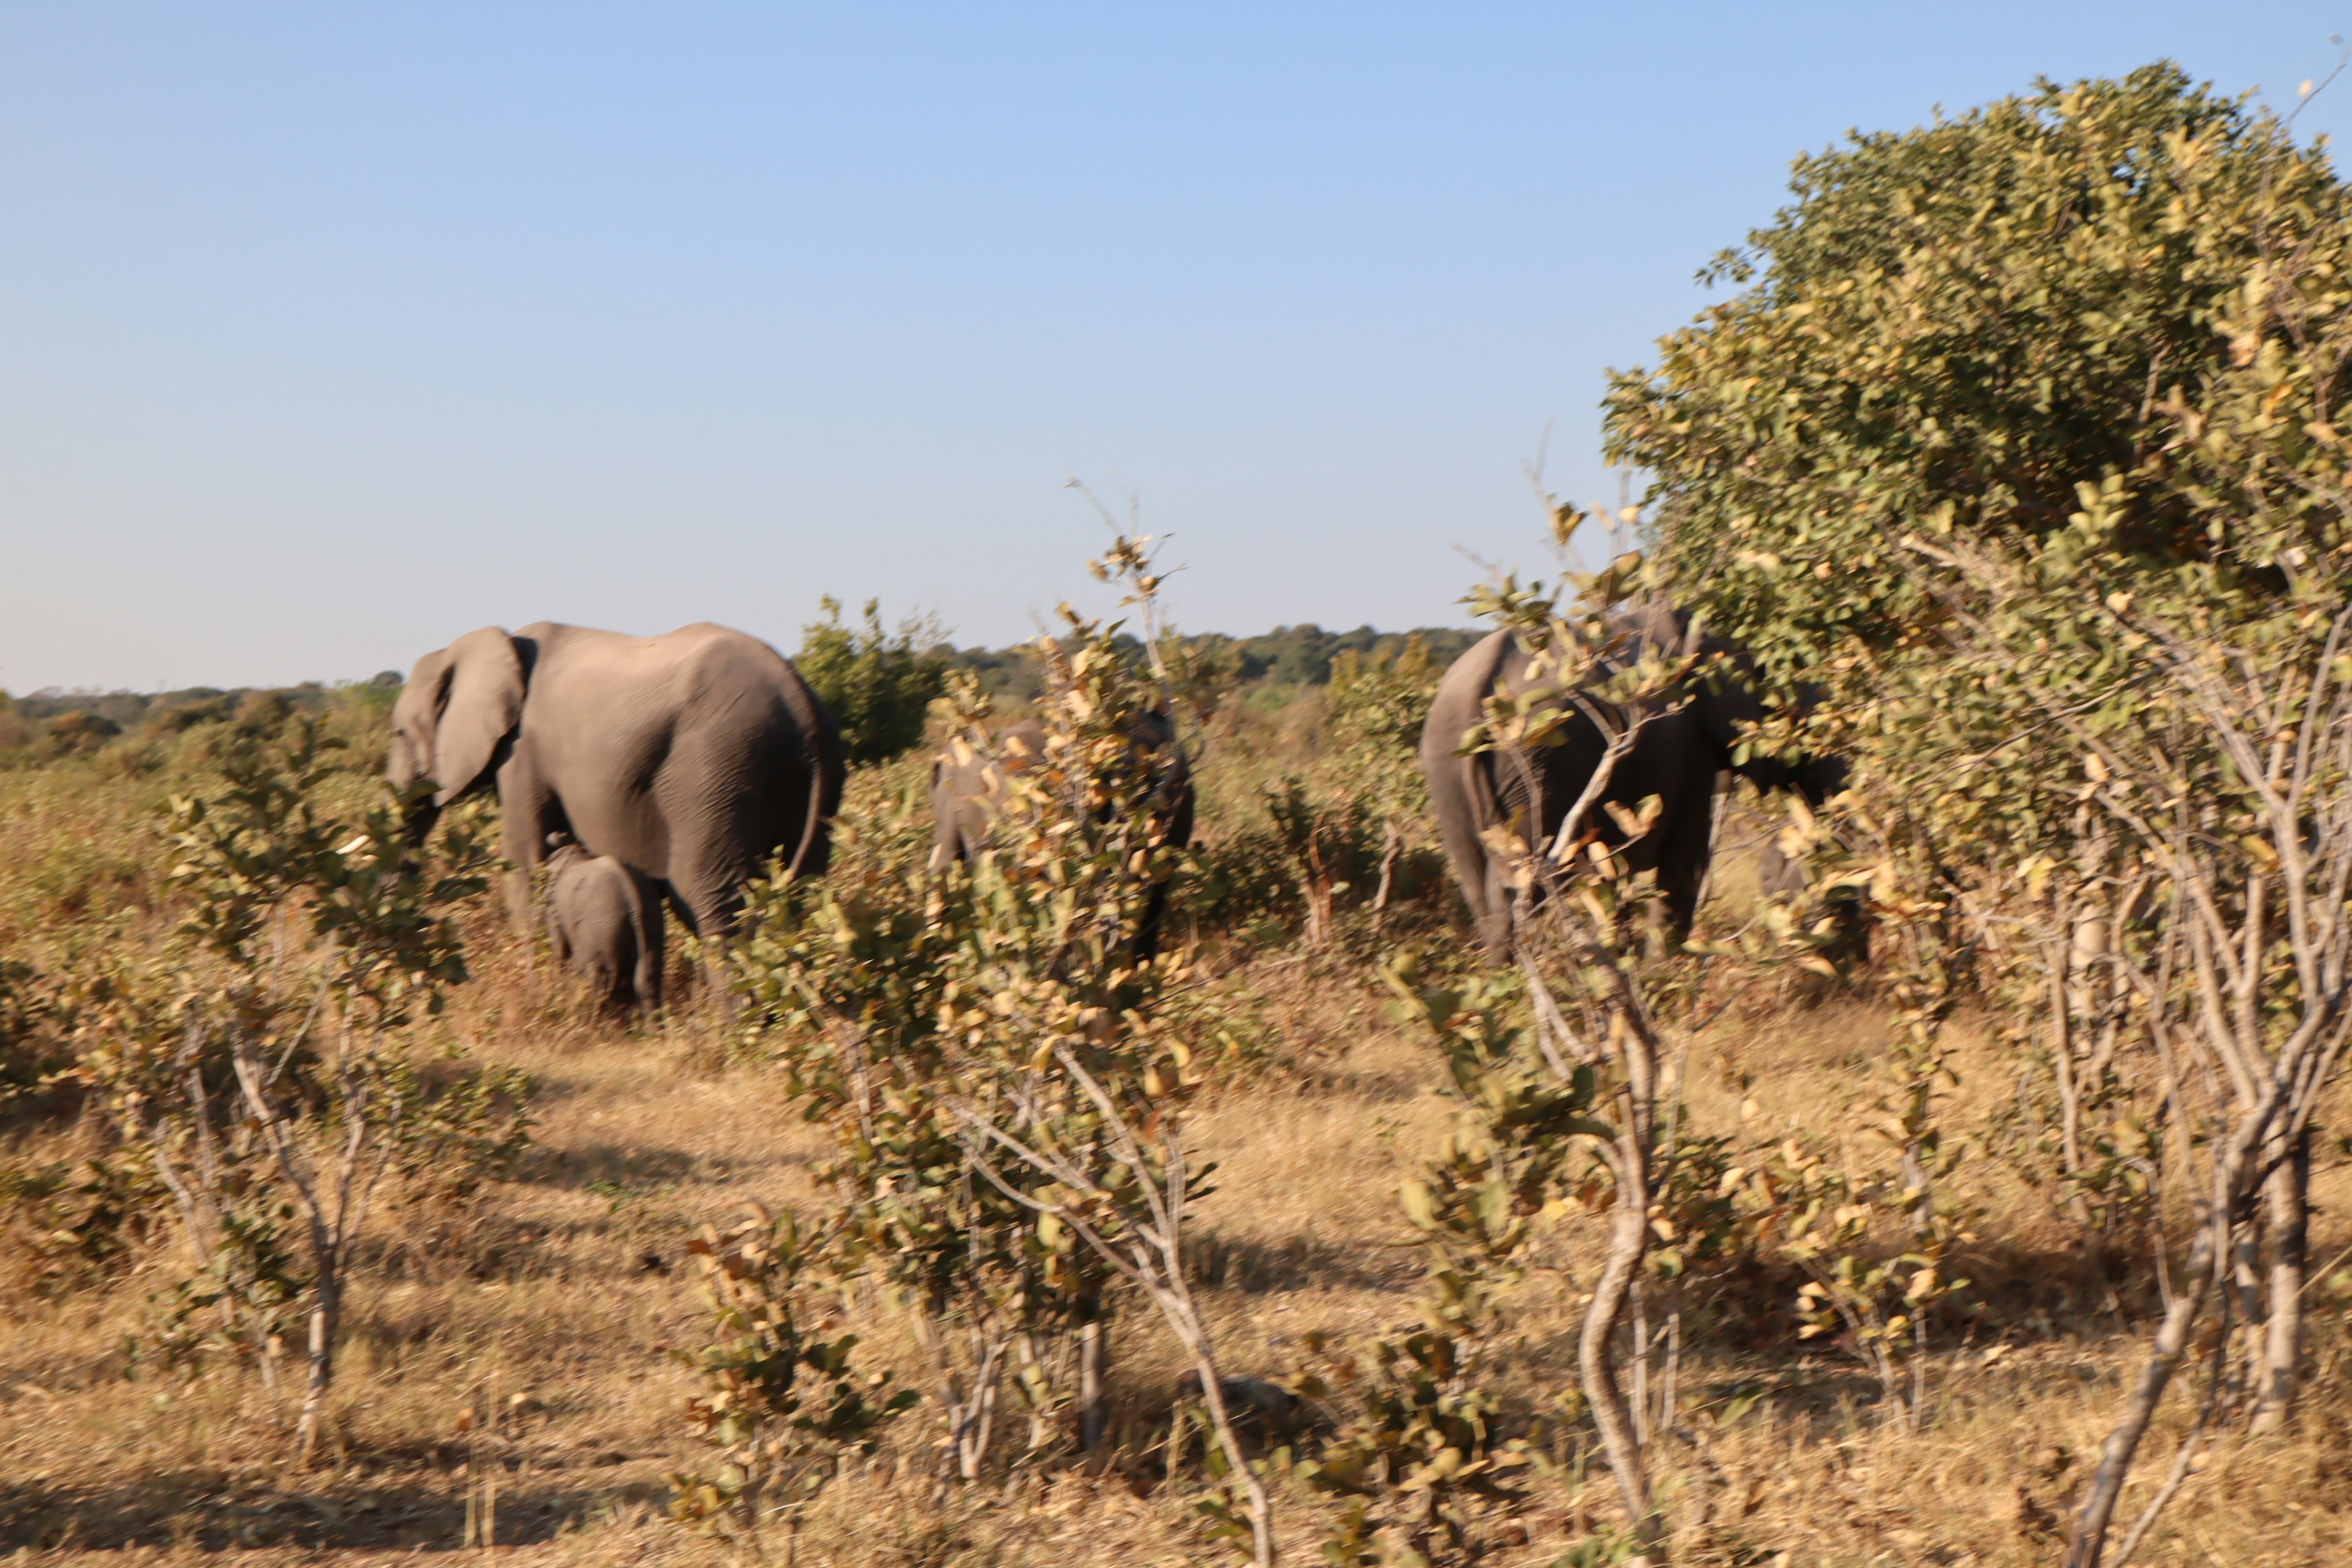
(965, 777)
(697, 756)
(1676, 757)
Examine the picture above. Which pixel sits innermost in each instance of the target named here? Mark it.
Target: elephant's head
(1729, 707)
(459, 705)
(563, 852)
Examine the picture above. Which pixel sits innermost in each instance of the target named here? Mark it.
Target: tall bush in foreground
(1002, 1072)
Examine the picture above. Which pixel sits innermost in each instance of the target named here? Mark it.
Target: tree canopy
(1954, 329)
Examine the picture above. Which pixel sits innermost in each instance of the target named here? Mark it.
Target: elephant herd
(670, 771)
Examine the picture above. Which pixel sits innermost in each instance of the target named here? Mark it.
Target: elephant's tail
(826, 783)
(816, 818)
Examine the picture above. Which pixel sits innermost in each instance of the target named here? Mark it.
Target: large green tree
(2021, 440)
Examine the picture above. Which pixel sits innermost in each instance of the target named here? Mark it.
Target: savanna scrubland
(1972, 1195)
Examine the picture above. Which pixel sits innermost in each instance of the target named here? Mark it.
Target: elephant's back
(704, 678)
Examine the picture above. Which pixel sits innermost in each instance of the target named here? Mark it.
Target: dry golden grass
(557, 1297)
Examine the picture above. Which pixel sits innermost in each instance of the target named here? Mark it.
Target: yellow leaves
(1632, 821)
(2036, 873)
(1509, 849)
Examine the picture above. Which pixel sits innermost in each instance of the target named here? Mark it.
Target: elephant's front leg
(1687, 841)
(527, 813)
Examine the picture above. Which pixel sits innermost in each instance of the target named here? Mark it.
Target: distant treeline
(65, 722)
(193, 704)
(1286, 656)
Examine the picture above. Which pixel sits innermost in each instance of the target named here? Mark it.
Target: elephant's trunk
(418, 816)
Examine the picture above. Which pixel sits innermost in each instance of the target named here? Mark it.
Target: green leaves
(1953, 328)
(909, 1006)
(265, 844)
(877, 685)
(780, 1402)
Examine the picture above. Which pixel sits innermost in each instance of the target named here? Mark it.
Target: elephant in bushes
(605, 922)
(1676, 757)
(697, 756)
(964, 778)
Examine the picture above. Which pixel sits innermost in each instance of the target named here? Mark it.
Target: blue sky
(333, 331)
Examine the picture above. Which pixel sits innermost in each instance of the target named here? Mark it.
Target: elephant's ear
(483, 706)
(414, 716)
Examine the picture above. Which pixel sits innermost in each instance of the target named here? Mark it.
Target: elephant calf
(604, 920)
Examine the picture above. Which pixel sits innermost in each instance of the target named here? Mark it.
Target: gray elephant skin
(964, 781)
(697, 756)
(1677, 757)
(605, 922)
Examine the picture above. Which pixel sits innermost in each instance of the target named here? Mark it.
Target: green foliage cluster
(51, 724)
(260, 1070)
(1348, 833)
(876, 684)
(781, 1402)
(1954, 329)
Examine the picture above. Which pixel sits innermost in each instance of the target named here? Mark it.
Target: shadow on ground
(1295, 1263)
(185, 1509)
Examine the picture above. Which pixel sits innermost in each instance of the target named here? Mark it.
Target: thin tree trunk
(1628, 1239)
(1094, 1385)
(974, 1415)
(2172, 1343)
(2286, 1198)
(1391, 847)
(326, 1325)
(1640, 1402)
(2246, 1286)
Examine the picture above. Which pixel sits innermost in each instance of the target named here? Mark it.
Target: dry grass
(558, 1295)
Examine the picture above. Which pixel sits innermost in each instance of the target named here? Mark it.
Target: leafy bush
(259, 1065)
(1004, 1078)
(877, 685)
(780, 1403)
(78, 733)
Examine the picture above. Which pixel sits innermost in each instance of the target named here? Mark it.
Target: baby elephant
(604, 920)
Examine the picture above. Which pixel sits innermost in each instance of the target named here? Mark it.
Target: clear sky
(331, 332)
